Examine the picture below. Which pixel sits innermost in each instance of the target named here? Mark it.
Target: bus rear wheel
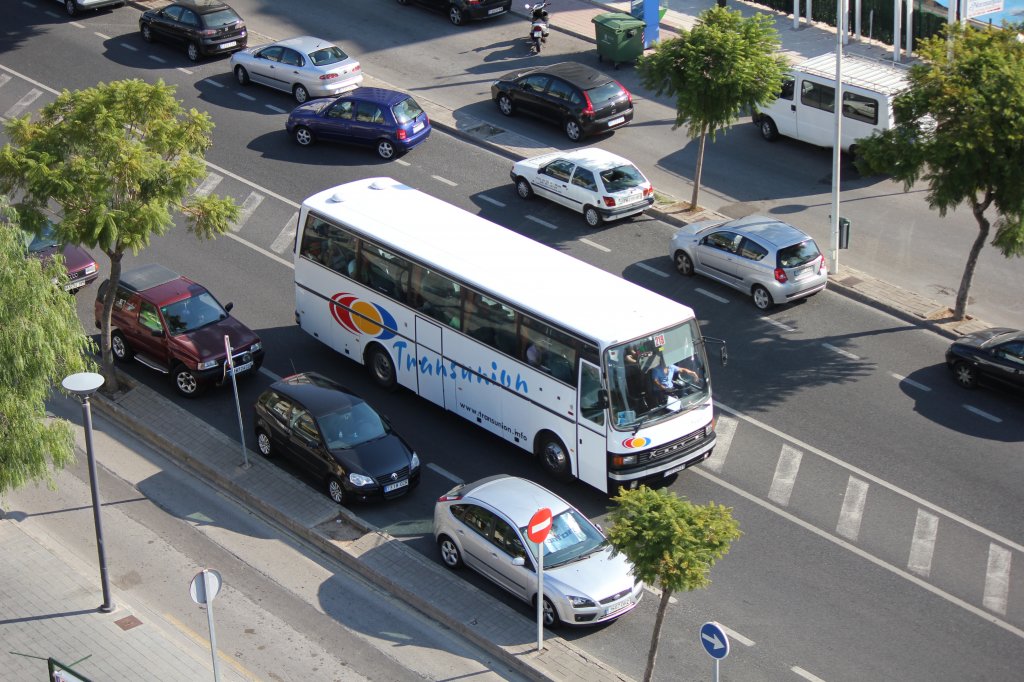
(382, 369)
(554, 457)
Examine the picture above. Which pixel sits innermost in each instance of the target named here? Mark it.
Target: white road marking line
(249, 183)
(184, 70)
(909, 382)
(213, 83)
(245, 95)
(258, 249)
(780, 325)
(725, 429)
(922, 547)
(852, 512)
(208, 184)
(286, 237)
(248, 207)
(159, 60)
(445, 181)
(544, 223)
(401, 162)
(76, 24)
(806, 675)
(102, 36)
(863, 554)
(984, 414)
(277, 109)
(786, 470)
(447, 474)
(489, 200)
(4, 79)
(657, 593)
(737, 636)
(595, 245)
(29, 80)
(52, 14)
(997, 579)
(29, 4)
(130, 48)
(916, 499)
(23, 103)
(652, 270)
(844, 353)
(713, 297)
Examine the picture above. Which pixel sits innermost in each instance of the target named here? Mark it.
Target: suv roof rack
(147, 277)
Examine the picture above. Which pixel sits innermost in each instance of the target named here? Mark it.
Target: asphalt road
(815, 379)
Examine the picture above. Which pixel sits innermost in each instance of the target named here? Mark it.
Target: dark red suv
(175, 326)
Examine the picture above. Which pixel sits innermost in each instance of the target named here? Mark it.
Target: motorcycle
(539, 24)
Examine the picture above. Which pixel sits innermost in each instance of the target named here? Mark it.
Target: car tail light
(401, 134)
(449, 498)
(328, 76)
(207, 32)
(588, 111)
(608, 201)
(780, 276)
(823, 266)
(358, 67)
(649, 191)
(629, 97)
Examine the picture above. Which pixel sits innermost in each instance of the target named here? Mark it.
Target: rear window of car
(223, 17)
(603, 94)
(406, 110)
(328, 55)
(621, 178)
(798, 254)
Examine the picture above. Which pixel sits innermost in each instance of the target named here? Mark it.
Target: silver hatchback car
(483, 525)
(304, 66)
(771, 261)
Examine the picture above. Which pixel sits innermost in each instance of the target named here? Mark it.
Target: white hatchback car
(304, 66)
(483, 525)
(600, 185)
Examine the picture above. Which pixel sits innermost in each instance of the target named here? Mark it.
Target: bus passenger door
(591, 428)
(430, 377)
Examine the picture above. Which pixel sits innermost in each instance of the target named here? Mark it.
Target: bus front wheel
(382, 369)
(554, 457)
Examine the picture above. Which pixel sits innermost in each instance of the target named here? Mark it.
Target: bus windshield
(654, 377)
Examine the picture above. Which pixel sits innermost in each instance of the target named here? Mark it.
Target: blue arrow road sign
(712, 636)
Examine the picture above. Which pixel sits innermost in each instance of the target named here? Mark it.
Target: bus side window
(435, 295)
(548, 349)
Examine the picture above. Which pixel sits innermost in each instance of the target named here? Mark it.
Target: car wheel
(684, 264)
(455, 15)
(965, 374)
(505, 104)
(551, 619)
(303, 136)
(450, 554)
(768, 129)
(762, 299)
(119, 347)
(71, 7)
(185, 381)
(147, 33)
(301, 94)
(573, 130)
(554, 458)
(523, 188)
(241, 75)
(382, 369)
(591, 216)
(263, 443)
(385, 149)
(193, 52)
(335, 490)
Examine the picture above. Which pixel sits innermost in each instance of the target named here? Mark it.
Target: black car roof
(580, 75)
(147, 277)
(203, 6)
(317, 393)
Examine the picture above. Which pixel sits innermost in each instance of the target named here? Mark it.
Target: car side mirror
(228, 307)
(312, 442)
(157, 332)
(519, 561)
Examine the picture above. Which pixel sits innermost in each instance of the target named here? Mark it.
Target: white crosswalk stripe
(922, 546)
(997, 579)
(725, 428)
(853, 509)
(786, 470)
(250, 204)
(23, 104)
(287, 235)
(208, 184)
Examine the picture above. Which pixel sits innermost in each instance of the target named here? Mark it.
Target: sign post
(537, 531)
(204, 588)
(230, 369)
(715, 642)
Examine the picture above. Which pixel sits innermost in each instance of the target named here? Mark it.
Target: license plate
(633, 197)
(804, 273)
(240, 368)
(71, 286)
(225, 46)
(675, 470)
(496, 10)
(396, 485)
(618, 606)
(416, 127)
(616, 121)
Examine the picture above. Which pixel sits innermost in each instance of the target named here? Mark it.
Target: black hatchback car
(204, 27)
(995, 355)
(337, 437)
(461, 11)
(582, 100)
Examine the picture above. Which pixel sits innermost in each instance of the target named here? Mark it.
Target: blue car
(392, 121)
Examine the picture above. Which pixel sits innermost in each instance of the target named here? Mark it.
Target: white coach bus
(602, 379)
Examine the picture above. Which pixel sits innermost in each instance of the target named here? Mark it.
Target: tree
(724, 65)
(41, 342)
(960, 128)
(672, 544)
(119, 159)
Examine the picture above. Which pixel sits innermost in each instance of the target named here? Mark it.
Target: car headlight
(359, 480)
(256, 346)
(208, 364)
(414, 463)
(580, 602)
(89, 269)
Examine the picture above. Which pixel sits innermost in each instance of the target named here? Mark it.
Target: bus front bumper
(664, 469)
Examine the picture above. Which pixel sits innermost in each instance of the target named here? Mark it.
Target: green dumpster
(620, 37)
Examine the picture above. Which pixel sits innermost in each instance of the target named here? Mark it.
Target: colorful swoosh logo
(362, 317)
(633, 443)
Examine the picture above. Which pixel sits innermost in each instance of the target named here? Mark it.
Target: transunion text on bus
(451, 370)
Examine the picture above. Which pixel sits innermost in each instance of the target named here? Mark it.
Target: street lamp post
(83, 385)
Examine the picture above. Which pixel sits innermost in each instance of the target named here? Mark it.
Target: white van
(805, 107)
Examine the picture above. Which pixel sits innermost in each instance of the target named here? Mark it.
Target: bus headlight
(623, 460)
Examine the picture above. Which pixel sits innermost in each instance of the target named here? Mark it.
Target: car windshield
(572, 536)
(189, 314)
(352, 426)
(621, 178)
(223, 17)
(656, 377)
(327, 55)
(40, 242)
(798, 254)
(406, 110)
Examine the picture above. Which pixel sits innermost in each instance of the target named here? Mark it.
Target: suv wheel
(119, 347)
(455, 15)
(762, 299)
(573, 130)
(185, 381)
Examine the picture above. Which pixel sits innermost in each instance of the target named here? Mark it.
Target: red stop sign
(540, 525)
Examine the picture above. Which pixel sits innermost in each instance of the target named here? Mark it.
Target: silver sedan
(304, 66)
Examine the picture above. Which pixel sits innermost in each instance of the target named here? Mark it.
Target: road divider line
(250, 204)
(52, 14)
(922, 546)
(101, 36)
(784, 479)
(208, 184)
(917, 499)
(245, 95)
(737, 636)
(401, 162)
(187, 71)
(997, 579)
(543, 223)
(776, 323)
(844, 353)
(909, 382)
(25, 78)
(652, 270)
(595, 245)
(22, 104)
(441, 470)
(76, 24)
(250, 183)
(4, 79)
(852, 511)
(725, 429)
(983, 414)
(863, 554)
(713, 297)
(158, 60)
(286, 237)
(499, 204)
(257, 249)
(446, 181)
(278, 110)
(806, 675)
(130, 48)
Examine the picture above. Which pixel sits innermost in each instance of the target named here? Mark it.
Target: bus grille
(670, 450)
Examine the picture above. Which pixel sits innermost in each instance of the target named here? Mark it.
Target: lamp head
(83, 384)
